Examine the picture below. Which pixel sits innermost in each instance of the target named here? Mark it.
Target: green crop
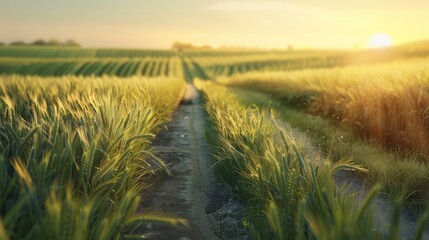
(289, 188)
(74, 154)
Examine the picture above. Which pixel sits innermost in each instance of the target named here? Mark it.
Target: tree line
(42, 42)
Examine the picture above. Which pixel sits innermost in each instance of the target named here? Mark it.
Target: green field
(77, 127)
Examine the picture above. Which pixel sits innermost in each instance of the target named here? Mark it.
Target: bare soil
(191, 191)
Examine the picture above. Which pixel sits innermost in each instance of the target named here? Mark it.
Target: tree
(71, 43)
(2, 44)
(39, 42)
(180, 46)
(54, 42)
(18, 43)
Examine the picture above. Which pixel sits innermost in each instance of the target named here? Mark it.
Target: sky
(253, 23)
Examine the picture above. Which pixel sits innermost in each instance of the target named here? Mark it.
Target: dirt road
(191, 191)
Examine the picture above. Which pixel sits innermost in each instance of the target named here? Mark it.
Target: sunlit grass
(388, 105)
(291, 192)
(398, 175)
(74, 153)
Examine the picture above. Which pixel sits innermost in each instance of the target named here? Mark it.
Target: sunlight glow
(380, 40)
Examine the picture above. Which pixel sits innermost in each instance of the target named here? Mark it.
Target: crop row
(387, 106)
(74, 153)
(135, 53)
(149, 67)
(273, 65)
(289, 189)
(72, 52)
(392, 109)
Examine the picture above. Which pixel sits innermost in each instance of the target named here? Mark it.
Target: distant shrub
(42, 42)
(39, 42)
(18, 43)
(71, 43)
(54, 42)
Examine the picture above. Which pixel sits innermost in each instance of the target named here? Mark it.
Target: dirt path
(383, 208)
(191, 191)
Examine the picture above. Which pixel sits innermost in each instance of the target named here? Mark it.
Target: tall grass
(388, 105)
(291, 190)
(399, 175)
(75, 152)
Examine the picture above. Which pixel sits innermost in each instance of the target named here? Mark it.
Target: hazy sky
(157, 23)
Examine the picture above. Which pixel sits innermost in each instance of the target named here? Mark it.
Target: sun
(380, 40)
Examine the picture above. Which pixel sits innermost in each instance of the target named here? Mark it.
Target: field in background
(60, 61)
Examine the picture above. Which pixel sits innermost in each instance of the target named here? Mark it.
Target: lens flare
(380, 40)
